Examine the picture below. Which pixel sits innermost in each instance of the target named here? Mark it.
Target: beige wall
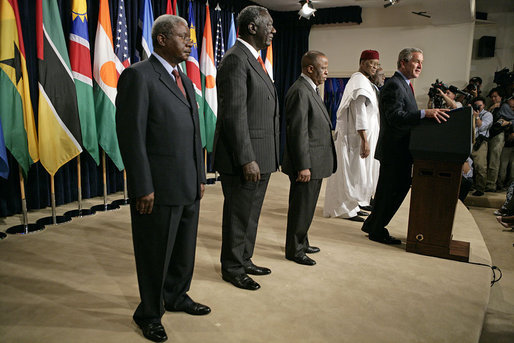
(501, 26)
(447, 48)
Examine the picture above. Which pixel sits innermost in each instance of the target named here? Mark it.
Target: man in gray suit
(246, 143)
(159, 137)
(309, 155)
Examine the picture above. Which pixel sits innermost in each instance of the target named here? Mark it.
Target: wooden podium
(439, 151)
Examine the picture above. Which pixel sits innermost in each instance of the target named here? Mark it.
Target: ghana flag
(16, 112)
(58, 119)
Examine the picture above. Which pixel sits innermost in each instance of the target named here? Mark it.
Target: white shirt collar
(169, 68)
(309, 80)
(254, 52)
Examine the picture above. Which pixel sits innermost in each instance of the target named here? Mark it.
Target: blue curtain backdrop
(289, 44)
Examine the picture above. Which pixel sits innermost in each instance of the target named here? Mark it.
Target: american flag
(121, 47)
(220, 46)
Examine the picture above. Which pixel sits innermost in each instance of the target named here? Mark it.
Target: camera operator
(473, 86)
(448, 95)
(483, 121)
(503, 120)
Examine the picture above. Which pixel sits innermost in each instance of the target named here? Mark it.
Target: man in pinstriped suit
(246, 143)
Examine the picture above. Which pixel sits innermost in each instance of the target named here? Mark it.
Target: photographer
(503, 119)
(483, 121)
(473, 86)
(447, 94)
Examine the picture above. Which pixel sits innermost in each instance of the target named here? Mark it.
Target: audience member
(503, 118)
(483, 121)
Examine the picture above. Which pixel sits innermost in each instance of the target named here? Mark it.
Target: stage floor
(76, 282)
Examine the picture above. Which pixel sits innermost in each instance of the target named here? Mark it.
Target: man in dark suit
(309, 155)
(159, 138)
(398, 114)
(246, 143)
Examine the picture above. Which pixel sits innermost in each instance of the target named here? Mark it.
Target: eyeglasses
(185, 38)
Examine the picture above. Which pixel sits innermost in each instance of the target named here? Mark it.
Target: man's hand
(252, 172)
(437, 113)
(304, 175)
(364, 148)
(202, 190)
(144, 204)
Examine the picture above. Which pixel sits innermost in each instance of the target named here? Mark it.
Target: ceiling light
(307, 9)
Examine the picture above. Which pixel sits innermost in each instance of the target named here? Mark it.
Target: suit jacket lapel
(318, 99)
(258, 68)
(406, 87)
(168, 80)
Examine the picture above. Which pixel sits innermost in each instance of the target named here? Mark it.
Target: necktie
(262, 63)
(412, 88)
(179, 82)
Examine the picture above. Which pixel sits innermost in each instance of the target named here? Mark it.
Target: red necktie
(262, 63)
(179, 82)
(412, 89)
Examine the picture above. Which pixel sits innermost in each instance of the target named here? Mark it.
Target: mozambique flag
(16, 111)
(104, 89)
(80, 59)
(60, 138)
(208, 73)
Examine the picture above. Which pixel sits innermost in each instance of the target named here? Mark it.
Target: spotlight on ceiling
(307, 9)
(391, 3)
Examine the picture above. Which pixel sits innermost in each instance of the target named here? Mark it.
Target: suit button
(269, 97)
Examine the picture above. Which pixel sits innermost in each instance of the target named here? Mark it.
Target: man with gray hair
(398, 114)
(246, 143)
(156, 116)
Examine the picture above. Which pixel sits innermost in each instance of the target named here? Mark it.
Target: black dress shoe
(365, 229)
(256, 270)
(154, 332)
(311, 250)
(385, 239)
(194, 308)
(366, 208)
(242, 281)
(356, 219)
(304, 259)
(362, 213)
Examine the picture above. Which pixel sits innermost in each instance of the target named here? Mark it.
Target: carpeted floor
(76, 282)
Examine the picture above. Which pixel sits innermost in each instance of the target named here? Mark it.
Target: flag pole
(80, 212)
(105, 206)
(54, 219)
(125, 200)
(25, 227)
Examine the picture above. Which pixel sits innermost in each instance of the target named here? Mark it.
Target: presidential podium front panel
(439, 151)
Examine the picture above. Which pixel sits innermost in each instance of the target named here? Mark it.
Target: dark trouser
(465, 187)
(164, 247)
(241, 211)
(393, 185)
(303, 197)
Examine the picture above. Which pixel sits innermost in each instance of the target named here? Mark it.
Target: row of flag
(76, 99)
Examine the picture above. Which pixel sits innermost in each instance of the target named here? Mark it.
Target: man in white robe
(356, 135)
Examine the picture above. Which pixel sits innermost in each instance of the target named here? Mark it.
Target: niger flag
(60, 137)
(16, 112)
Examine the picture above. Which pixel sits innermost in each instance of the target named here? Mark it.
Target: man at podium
(398, 115)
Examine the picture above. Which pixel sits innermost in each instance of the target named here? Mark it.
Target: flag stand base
(105, 207)
(79, 213)
(24, 229)
(50, 220)
(121, 202)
